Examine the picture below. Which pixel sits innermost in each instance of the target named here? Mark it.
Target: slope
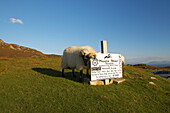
(36, 85)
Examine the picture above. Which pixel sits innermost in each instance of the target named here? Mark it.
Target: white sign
(106, 66)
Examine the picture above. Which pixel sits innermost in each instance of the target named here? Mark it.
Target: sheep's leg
(87, 72)
(81, 74)
(63, 73)
(73, 73)
(88, 76)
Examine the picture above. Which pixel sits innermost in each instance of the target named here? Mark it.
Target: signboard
(106, 66)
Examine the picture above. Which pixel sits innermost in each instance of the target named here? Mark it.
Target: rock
(11, 47)
(98, 82)
(153, 78)
(152, 83)
(141, 78)
(118, 80)
(19, 48)
(106, 81)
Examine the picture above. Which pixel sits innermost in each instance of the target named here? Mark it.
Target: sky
(137, 29)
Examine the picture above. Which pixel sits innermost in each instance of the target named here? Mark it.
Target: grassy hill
(35, 85)
(15, 51)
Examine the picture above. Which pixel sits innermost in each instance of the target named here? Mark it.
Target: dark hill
(145, 66)
(14, 51)
(159, 63)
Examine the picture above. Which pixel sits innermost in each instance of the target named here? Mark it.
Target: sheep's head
(87, 57)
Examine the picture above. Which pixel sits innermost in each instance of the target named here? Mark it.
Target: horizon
(139, 30)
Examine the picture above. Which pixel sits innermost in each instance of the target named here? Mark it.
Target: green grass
(35, 85)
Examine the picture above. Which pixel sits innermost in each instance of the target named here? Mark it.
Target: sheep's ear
(82, 53)
(92, 55)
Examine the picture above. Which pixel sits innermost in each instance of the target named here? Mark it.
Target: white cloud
(13, 20)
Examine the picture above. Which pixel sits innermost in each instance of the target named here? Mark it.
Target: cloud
(13, 20)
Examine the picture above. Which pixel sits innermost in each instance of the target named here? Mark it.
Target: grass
(35, 85)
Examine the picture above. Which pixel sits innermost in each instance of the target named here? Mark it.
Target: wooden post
(104, 46)
(104, 50)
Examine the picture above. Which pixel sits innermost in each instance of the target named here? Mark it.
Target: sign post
(104, 50)
(104, 46)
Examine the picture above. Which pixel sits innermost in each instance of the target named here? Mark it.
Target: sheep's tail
(64, 61)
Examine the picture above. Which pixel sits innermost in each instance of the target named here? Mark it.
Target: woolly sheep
(77, 57)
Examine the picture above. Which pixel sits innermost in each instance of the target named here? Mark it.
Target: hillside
(15, 51)
(35, 85)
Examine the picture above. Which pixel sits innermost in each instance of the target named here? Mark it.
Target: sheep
(77, 57)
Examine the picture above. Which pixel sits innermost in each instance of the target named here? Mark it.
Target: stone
(152, 83)
(153, 78)
(111, 81)
(107, 82)
(11, 47)
(98, 82)
(118, 80)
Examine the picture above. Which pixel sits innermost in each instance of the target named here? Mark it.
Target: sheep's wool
(72, 58)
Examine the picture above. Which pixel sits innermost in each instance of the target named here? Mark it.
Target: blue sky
(138, 29)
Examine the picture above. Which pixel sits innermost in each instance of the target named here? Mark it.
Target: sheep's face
(87, 57)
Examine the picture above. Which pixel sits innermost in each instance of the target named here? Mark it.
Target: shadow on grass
(55, 73)
(48, 71)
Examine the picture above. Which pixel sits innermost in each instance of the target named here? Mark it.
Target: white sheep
(76, 57)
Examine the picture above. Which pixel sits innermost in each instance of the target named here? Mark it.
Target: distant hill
(14, 51)
(159, 63)
(145, 66)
